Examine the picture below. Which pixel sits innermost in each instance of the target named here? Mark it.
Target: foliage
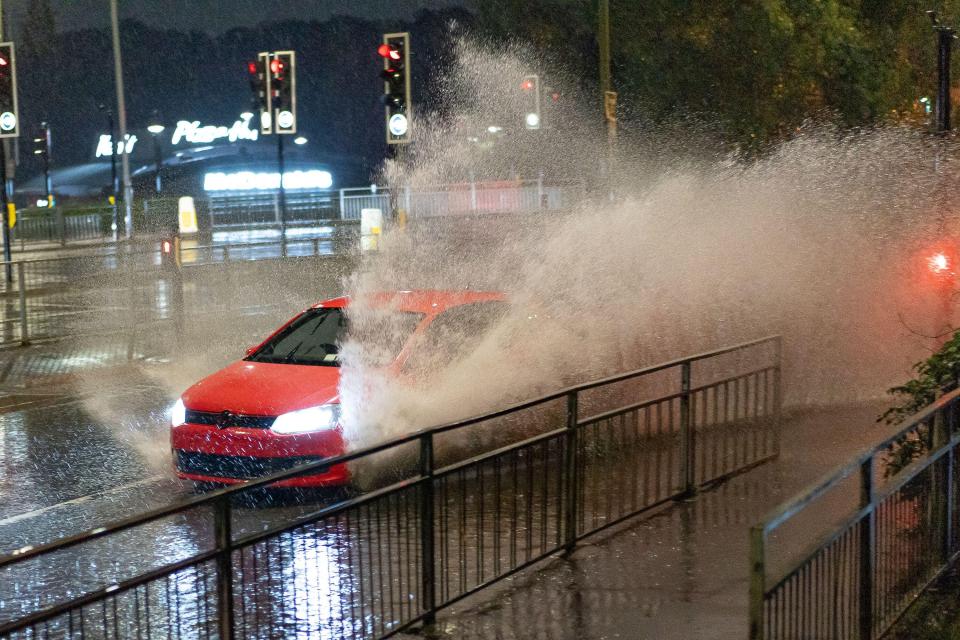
(935, 615)
(756, 68)
(935, 375)
(759, 68)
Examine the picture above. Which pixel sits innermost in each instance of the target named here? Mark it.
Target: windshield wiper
(293, 352)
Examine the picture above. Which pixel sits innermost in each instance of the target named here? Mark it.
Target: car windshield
(316, 336)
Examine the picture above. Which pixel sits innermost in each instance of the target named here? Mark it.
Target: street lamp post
(945, 36)
(156, 128)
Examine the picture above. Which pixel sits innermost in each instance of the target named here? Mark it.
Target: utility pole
(945, 36)
(122, 114)
(607, 95)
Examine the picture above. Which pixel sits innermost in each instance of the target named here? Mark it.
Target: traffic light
(283, 91)
(261, 95)
(41, 147)
(530, 86)
(9, 116)
(395, 52)
(273, 81)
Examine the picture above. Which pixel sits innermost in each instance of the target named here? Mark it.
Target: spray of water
(819, 240)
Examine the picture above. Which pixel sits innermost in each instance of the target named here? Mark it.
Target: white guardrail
(462, 198)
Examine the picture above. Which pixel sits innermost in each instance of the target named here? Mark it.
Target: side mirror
(250, 350)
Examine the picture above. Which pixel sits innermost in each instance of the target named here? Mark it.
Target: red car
(280, 406)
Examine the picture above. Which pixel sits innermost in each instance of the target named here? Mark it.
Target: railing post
(758, 584)
(571, 464)
(224, 542)
(777, 395)
(867, 544)
(22, 292)
(428, 575)
(948, 498)
(950, 429)
(687, 458)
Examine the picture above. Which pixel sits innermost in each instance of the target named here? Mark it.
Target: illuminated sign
(250, 180)
(194, 133)
(104, 148)
(398, 124)
(8, 121)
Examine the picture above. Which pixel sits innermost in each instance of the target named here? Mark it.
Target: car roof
(428, 301)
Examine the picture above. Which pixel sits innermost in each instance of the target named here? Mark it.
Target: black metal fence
(883, 531)
(442, 523)
(61, 226)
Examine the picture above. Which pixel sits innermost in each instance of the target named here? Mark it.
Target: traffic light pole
(7, 257)
(607, 97)
(282, 194)
(47, 183)
(113, 176)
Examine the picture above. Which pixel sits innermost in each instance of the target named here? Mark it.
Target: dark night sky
(216, 16)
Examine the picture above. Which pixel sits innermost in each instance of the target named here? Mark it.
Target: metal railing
(56, 225)
(464, 198)
(100, 293)
(881, 538)
(446, 523)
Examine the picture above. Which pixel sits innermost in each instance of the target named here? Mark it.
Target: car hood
(264, 388)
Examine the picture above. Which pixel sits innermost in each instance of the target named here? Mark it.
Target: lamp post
(156, 128)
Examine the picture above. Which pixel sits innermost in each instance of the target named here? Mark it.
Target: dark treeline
(754, 70)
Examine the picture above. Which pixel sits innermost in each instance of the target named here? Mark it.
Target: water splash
(818, 240)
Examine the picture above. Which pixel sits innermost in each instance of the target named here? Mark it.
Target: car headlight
(178, 413)
(306, 420)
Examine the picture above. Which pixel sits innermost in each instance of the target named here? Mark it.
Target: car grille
(237, 467)
(226, 419)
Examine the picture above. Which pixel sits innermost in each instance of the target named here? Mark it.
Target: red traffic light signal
(389, 51)
(527, 85)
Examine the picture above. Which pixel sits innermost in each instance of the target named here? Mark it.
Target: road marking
(80, 500)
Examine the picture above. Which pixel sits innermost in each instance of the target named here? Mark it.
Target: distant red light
(3, 62)
(526, 85)
(555, 96)
(276, 66)
(938, 263)
(252, 68)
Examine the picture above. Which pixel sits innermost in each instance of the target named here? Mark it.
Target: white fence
(463, 199)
